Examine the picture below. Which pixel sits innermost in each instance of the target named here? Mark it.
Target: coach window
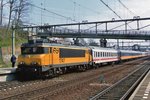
(96, 54)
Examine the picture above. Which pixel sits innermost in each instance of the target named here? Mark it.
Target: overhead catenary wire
(113, 11)
(126, 7)
(131, 12)
(119, 26)
(44, 9)
(144, 26)
(110, 9)
(87, 8)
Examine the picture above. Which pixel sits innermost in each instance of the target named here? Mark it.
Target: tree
(11, 9)
(1, 10)
(23, 8)
(18, 9)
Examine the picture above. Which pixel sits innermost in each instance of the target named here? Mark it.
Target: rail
(123, 88)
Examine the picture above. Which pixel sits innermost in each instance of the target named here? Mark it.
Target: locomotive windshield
(34, 50)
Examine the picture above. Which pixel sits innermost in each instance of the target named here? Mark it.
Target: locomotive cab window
(34, 50)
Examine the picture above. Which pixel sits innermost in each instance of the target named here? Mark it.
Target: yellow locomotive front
(32, 59)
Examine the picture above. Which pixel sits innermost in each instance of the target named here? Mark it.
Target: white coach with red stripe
(104, 55)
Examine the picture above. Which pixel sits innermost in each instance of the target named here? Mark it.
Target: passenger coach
(104, 55)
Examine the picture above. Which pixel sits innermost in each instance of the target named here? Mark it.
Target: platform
(7, 70)
(7, 74)
(142, 92)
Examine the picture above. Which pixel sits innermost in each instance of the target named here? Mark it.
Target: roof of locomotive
(51, 45)
(64, 46)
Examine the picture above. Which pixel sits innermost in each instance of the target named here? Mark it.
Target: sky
(65, 11)
(91, 10)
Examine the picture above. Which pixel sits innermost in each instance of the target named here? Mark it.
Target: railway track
(53, 89)
(46, 90)
(123, 88)
(14, 84)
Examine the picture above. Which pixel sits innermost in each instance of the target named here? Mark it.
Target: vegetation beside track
(6, 37)
(6, 41)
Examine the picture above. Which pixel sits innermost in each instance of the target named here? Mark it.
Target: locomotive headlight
(34, 63)
(20, 63)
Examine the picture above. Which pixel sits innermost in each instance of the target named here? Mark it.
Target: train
(47, 59)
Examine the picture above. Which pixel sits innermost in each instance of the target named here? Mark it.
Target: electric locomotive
(45, 59)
